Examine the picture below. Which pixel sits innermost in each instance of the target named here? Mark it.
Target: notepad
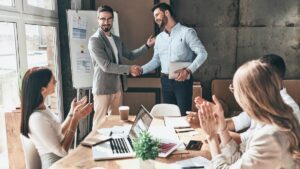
(192, 162)
(92, 141)
(174, 66)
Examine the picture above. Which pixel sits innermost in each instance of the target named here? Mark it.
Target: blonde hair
(257, 90)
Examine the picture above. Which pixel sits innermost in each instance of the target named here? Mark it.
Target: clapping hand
(193, 119)
(208, 120)
(135, 70)
(214, 108)
(81, 108)
(74, 103)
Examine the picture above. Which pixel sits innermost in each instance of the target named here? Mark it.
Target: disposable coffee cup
(124, 112)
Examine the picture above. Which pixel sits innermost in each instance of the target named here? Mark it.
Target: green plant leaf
(145, 146)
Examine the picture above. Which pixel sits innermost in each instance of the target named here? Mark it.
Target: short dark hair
(31, 97)
(105, 8)
(276, 62)
(163, 7)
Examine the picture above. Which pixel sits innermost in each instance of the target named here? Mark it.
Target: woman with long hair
(51, 138)
(275, 144)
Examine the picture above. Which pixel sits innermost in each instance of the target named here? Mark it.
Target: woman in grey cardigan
(275, 145)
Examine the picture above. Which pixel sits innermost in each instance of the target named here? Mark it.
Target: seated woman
(51, 138)
(275, 145)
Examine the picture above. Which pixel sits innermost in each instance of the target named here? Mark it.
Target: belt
(163, 74)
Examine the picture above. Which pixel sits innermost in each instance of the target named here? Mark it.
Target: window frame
(15, 8)
(33, 10)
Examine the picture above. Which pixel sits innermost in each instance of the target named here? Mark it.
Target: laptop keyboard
(119, 145)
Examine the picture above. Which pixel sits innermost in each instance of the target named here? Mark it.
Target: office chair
(164, 109)
(32, 157)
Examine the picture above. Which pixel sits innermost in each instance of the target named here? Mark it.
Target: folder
(174, 66)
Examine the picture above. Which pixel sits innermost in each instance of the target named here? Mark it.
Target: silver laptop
(122, 147)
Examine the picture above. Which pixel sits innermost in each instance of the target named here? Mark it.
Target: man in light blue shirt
(176, 43)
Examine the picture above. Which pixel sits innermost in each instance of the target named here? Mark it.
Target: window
(41, 51)
(9, 90)
(7, 2)
(46, 4)
(28, 37)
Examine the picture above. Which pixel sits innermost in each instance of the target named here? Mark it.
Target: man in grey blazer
(109, 79)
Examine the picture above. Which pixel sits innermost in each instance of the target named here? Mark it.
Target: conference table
(81, 157)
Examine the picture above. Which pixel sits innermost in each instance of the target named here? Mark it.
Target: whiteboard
(81, 25)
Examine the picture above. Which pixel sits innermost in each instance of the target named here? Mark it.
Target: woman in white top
(275, 145)
(51, 138)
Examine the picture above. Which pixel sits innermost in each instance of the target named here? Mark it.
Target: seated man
(243, 121)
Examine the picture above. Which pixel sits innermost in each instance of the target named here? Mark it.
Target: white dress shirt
(45, 132)
(181, 45)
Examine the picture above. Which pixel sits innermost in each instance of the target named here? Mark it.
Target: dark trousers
(179, 93)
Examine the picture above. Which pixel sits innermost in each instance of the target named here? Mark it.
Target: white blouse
(267, 148)
(45, 132)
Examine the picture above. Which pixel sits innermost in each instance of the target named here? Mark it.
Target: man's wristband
(189, 71)
(147, 45)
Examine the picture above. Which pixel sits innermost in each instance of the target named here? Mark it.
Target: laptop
(122, 147)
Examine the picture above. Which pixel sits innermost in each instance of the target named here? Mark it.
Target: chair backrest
(220, 88)
(165, 110)
(292, 87)
(32, 157)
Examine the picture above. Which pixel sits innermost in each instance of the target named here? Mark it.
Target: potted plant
(147, 149)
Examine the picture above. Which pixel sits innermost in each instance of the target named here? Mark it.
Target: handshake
(135, 70)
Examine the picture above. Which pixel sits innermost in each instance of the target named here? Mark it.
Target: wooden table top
(81, 157)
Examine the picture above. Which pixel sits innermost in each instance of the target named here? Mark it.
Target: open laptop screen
(141, 123)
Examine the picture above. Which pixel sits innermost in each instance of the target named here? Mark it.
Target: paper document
(116, 131)
(176, 122)
(174, 66)
(169, 140)
(192, 163)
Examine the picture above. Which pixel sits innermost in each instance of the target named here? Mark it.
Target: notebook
(122, 147)
(168, 139)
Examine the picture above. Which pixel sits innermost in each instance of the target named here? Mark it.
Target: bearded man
(109, 79)
(176, 43)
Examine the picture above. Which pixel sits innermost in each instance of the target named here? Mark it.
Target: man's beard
(163, 23)
(106, 28)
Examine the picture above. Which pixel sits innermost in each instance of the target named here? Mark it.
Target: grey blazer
(107, 73)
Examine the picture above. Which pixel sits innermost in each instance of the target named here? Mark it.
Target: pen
(184, 131)
(192, 167)
(183, 127)
(103, 141)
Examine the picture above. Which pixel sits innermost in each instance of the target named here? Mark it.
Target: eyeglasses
(231, 88)
(106, 19)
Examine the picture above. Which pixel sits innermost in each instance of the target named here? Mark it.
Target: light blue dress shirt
(180, 46)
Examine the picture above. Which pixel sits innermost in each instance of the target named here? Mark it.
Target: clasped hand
(135, 70)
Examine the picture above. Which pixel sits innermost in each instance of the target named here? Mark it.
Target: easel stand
(84, 125)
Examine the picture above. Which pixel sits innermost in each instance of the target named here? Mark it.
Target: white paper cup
(124, 112)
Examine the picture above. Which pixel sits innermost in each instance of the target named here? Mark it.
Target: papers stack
(176, 122)
(196, 162)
